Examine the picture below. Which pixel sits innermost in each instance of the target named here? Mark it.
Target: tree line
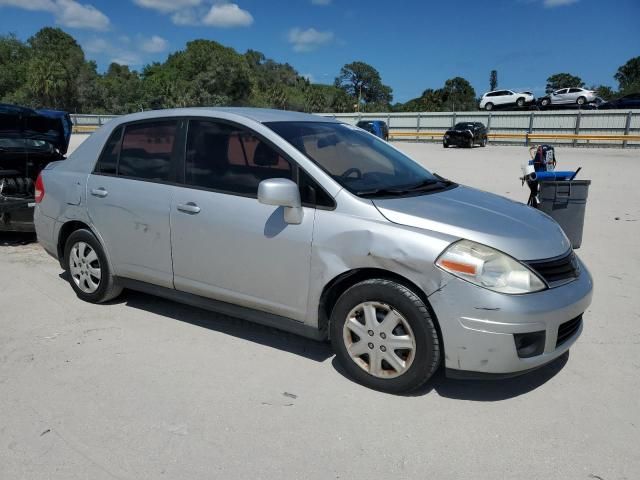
(50, 70)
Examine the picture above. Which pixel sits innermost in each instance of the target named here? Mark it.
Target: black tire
(520, 102)
(545, 102)
(581, 101)
(445, 144)
(470, 143)
(483, 143)
(488, 106)
(401, 299)
(107, 288)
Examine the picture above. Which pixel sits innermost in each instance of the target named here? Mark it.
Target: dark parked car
(466, 134)
(377, 127)
(29, 141)
(628, 101)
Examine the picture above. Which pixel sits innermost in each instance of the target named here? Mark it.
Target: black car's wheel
(581, 101)
(488, 106)
(520, 102)
(89, 273)
(445, 144)
(470, 143)
(384, 336)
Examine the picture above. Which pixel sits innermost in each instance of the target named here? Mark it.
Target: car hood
(512, 227)
(47, 125)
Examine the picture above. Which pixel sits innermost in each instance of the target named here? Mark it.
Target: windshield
(361, 163)
(464, 126)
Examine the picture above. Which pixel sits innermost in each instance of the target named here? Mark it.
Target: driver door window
(229, 159)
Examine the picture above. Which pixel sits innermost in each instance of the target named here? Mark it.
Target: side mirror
(282, 192)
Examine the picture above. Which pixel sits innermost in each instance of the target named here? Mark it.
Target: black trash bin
(565, 202)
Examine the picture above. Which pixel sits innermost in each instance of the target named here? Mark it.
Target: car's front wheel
(384, 336)
(88, 269)
(445, 144)
(488, 106)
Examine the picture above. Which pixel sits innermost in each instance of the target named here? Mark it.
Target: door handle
(99, 192)
(188, 207)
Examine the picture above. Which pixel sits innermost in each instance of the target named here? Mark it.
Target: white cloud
(309, 39)
(166, 6)
(125, 50)
(75, 15)
(321, 2)
(155, 44)
(213, 13)
(309, 76)
(228, 15)
(558, 3)
(67, 13)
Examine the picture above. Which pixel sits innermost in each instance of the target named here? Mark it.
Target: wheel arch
(66, 230)
(342, 282)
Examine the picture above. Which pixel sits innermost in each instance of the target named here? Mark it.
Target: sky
(414, 44)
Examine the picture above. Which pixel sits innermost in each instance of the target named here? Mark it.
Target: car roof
(261, 115)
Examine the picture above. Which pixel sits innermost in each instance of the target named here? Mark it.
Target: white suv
(502, 98)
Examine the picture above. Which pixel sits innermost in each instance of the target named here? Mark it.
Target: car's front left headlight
(489, 268)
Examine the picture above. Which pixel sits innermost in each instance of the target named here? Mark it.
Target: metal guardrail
(617, 128)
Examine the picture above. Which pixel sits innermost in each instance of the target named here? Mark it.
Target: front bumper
(478, 325)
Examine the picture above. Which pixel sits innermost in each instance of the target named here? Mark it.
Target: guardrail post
(418, 127)
(526, 142)
(453, 120)
(627, 128)
(577, 130)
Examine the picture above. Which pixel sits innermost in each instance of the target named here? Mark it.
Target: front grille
(559, 269)
(566, 330)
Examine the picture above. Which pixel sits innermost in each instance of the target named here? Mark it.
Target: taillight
(39, 189)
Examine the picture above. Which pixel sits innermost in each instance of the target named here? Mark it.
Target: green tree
(604, 91)
(493, 80)
(121, 90)
(54, 68)
(562, 80)
(363, 83)
(628, 76)
(14, 56)
(458, 95)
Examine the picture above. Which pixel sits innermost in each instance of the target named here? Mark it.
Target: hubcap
(84, 267)
(390, 351)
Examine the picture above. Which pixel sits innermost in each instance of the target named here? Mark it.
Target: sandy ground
(143, 388)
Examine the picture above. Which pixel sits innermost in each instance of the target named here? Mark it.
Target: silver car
(579, 96)
(319, 228)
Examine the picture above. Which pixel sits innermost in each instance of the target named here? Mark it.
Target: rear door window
(108, 162)
(147, 150)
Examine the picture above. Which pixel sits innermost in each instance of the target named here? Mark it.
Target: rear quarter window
(108, 161)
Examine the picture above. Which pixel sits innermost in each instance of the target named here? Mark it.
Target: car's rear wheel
(89, 273)
(470, 143)
(545, 102)
(384, 336)
(520, 102)
(488, 106)
(581, 101)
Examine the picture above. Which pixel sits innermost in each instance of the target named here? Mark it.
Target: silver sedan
(319, 228)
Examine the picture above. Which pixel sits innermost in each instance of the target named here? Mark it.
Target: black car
(628, 101)
(29, 141)
(378, 127)
(466, 134)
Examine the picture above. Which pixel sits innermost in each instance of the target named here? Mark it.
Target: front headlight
(488, 268)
